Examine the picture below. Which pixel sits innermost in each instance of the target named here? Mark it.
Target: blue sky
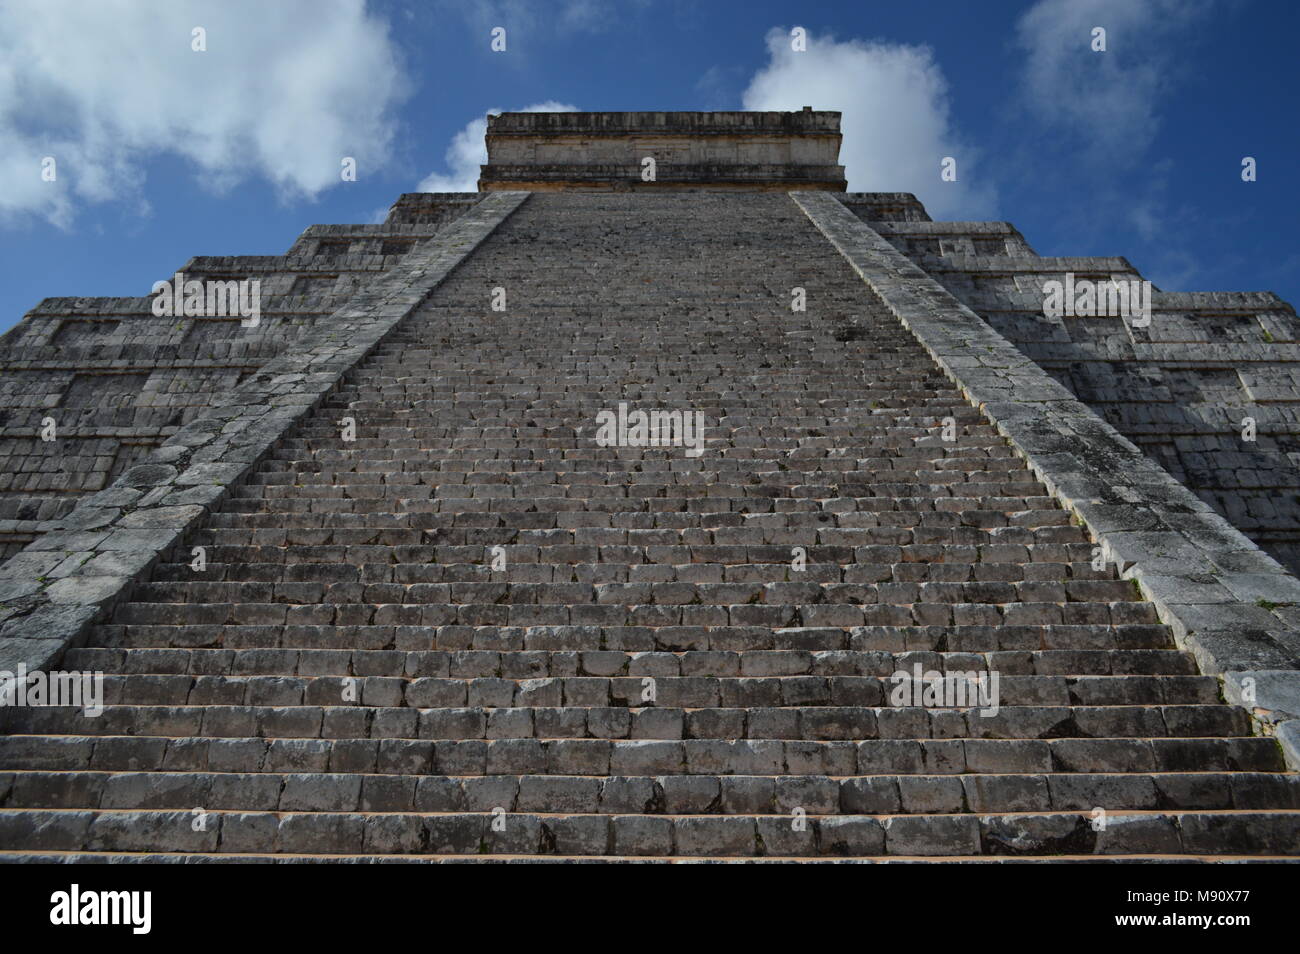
(163, 152)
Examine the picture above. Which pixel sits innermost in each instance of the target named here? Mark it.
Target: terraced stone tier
(1178, 386)
(119, 381)
(647, 672)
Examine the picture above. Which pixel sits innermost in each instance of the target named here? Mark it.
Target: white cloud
(896, 125)
(468, 151)
(282, 93)
(1106, 100)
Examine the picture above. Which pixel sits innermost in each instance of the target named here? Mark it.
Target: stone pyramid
(937, 577)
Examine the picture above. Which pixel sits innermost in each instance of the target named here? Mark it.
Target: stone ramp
(349, 676)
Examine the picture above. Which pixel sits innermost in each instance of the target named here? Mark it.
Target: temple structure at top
(761, 151)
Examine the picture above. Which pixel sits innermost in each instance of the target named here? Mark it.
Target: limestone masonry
(548, 152)
(948, 579)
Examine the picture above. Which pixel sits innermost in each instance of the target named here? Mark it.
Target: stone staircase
(676, 657)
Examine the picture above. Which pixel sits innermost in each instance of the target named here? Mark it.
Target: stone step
(617, 604)
(338, 625)
(666, 494)
(532, 664)
(697, 692)
(992, 600)
(542, 565)
(602, 721)
(244, 858)
(570, 756)
(968, 511)
(705, 836)
(772, 562)
(306, 789)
